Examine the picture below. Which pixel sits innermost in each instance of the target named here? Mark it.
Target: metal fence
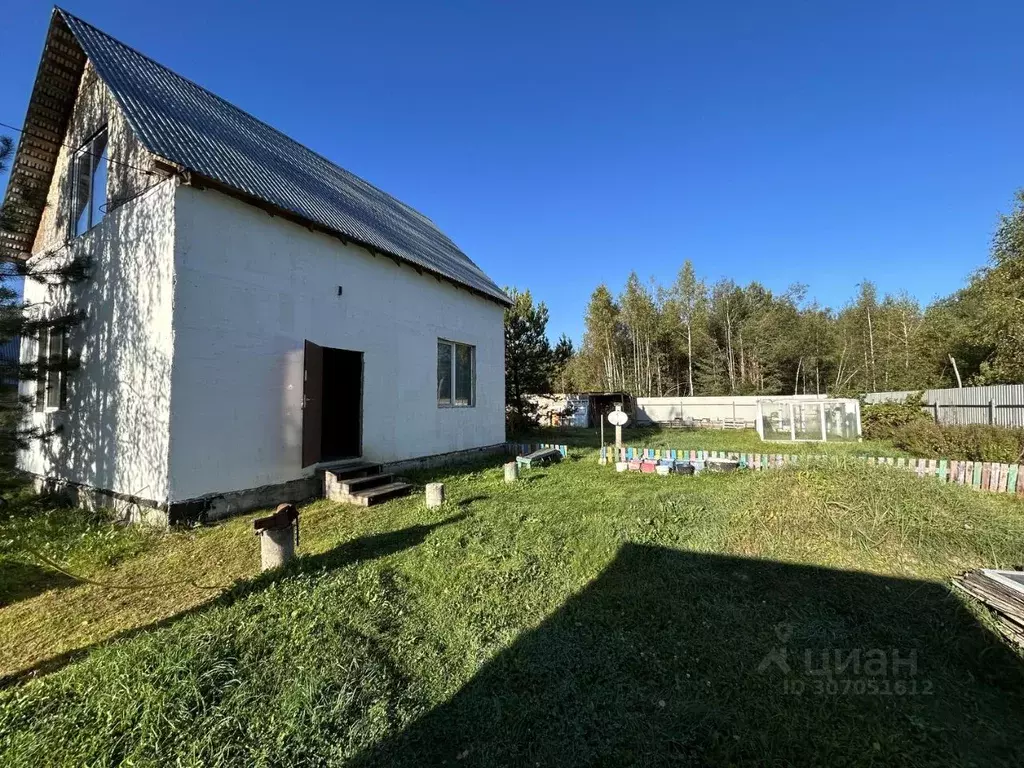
(1001, 405)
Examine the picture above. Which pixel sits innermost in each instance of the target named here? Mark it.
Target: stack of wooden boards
(540, 458)
(1003, 593)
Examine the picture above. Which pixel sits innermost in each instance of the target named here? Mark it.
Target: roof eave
(53, 96)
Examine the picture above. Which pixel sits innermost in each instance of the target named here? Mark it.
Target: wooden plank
(1004, 477)
(976, 474)
(1020, 481)
(986, 474)
(942, 472)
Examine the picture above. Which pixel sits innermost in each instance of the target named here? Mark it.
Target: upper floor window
(89, 184)
(456, 373)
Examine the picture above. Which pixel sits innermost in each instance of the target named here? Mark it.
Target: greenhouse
(790, 420)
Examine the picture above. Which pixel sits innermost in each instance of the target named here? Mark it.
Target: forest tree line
(698, 338)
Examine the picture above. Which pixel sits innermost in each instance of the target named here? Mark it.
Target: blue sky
(563, 144)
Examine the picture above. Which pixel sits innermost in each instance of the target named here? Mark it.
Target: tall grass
(577, 617)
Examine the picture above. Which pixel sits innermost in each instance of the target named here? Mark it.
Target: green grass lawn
(739, 440)
(579, 617)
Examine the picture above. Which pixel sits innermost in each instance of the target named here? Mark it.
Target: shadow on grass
(20, 580)
(672, 657)
(363, 549)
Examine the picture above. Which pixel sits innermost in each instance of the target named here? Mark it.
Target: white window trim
(472, 386)
(60, 375)
(86, 148)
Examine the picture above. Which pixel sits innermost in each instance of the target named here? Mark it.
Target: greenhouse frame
(825, 420)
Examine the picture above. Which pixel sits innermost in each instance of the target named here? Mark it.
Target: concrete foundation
(445, 459)
(216, 506)
(134, 509)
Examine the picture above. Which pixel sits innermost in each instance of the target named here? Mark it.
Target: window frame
(89, 207)
(47, 379)
(451, 402)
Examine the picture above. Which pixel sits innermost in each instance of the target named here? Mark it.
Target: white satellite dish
(618, 418)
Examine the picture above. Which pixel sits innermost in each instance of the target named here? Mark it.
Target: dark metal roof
(181, 122)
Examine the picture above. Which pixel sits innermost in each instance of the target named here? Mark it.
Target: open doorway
(332, 418)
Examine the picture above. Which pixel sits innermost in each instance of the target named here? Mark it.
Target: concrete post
(511, 472)
(435, 495)
(277, 547)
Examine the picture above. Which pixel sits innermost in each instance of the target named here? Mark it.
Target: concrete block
(435, 495)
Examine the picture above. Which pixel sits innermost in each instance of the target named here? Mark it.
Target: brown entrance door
(312, 403)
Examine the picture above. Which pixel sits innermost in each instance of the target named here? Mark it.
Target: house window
(89, 184)
(456, 374)
(51, 383)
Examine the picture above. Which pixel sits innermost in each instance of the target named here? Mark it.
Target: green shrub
(971, 442)
(911, 429)
(882, 421)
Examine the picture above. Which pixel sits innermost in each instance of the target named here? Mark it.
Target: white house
(252, 310)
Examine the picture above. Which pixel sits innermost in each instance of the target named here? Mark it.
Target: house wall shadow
(362, 549)
(673, 657)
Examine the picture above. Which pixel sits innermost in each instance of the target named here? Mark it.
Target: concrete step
(351, 469)
(370, 496)
(362, 483)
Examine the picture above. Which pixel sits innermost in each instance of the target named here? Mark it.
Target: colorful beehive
(648, 466)
(634, 465)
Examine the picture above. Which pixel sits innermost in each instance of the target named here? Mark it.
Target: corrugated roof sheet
(186, 124)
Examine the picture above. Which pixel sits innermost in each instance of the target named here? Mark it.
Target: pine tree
(527, 357)
(19, 320)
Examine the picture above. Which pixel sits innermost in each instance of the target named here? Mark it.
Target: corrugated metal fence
(1002, 404)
